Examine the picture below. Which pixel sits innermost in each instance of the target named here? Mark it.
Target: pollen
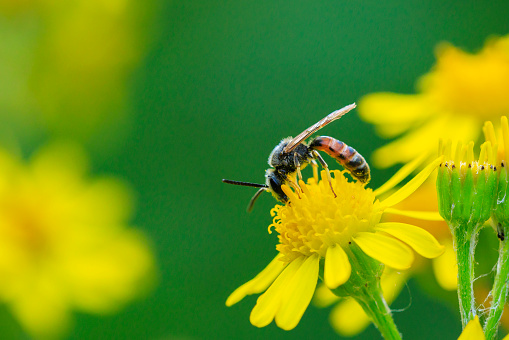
(316, 220)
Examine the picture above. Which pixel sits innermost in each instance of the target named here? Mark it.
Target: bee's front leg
(297, 164)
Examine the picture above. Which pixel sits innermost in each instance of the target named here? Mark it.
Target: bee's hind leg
(326, 167)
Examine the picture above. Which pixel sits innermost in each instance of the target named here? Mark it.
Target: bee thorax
(288, 161)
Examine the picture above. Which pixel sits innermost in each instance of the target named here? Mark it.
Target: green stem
(464, 243)
(364, 287)
(376, 308)
(499, 291)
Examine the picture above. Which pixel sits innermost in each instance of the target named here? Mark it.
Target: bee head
(274, 180)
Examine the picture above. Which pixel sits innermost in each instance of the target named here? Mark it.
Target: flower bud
(466, 187)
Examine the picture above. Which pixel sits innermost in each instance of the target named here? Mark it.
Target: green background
(222, 83)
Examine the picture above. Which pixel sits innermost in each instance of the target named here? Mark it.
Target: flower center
(315, 219)
(22, 224)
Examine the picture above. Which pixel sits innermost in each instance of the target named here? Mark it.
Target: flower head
(65, 242)
(465, 186)
(501, 208)
(466, 189)
(340, 232)
(454, 99)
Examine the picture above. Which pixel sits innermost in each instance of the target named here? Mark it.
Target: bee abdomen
(350, 159)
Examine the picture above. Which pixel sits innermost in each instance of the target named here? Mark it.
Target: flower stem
(464, 241)
(364, 287)
(376, 308)
(499, 291)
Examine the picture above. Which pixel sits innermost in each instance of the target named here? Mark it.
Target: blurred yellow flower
(65, 243)
(318, 226)
(454, 99)
(68, 65)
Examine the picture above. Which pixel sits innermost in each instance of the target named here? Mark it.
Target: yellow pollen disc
(314, 219)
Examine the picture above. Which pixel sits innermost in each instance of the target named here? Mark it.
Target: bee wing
(312, 129)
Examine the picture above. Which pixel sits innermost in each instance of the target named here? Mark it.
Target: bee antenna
(251, 203)
(245, 184)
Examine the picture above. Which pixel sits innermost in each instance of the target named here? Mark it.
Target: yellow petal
(60, 165)
(391, 108)
(473, 331)
(43, 309)
(421, 215)
(424, 139)
(412, 185)
(120, 268)
(385, 249)
(259, 283)
(324, 297)
(419, 239)
(269, 302)
(109, 199)
(401, 174)
(505, 136)
(445, 268)
(392, 282)
(348, 318)
(298, 294)
(337, 267)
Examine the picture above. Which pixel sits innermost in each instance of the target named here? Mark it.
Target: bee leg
(296, 161)
(315, 170)
(326, 167)
(295, 187)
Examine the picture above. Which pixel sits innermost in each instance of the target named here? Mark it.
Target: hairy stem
(464, 244)
(499, 291)
(380, 314)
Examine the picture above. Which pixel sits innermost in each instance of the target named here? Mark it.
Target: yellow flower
(347, 317)
(65, 243)
(317, 226)
(70, 64)
(454, 99)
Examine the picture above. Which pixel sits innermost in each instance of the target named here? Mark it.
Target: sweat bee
(291, 155)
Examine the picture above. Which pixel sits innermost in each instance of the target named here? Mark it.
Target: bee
(292, 155)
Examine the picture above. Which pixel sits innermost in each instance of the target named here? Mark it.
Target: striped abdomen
(350, 159)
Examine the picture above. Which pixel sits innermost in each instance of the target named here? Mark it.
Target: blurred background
(141, 108)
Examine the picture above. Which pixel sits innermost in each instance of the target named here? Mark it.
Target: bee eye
(274, 182)
(275, 186)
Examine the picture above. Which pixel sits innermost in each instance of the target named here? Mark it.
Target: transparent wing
(312, 129)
